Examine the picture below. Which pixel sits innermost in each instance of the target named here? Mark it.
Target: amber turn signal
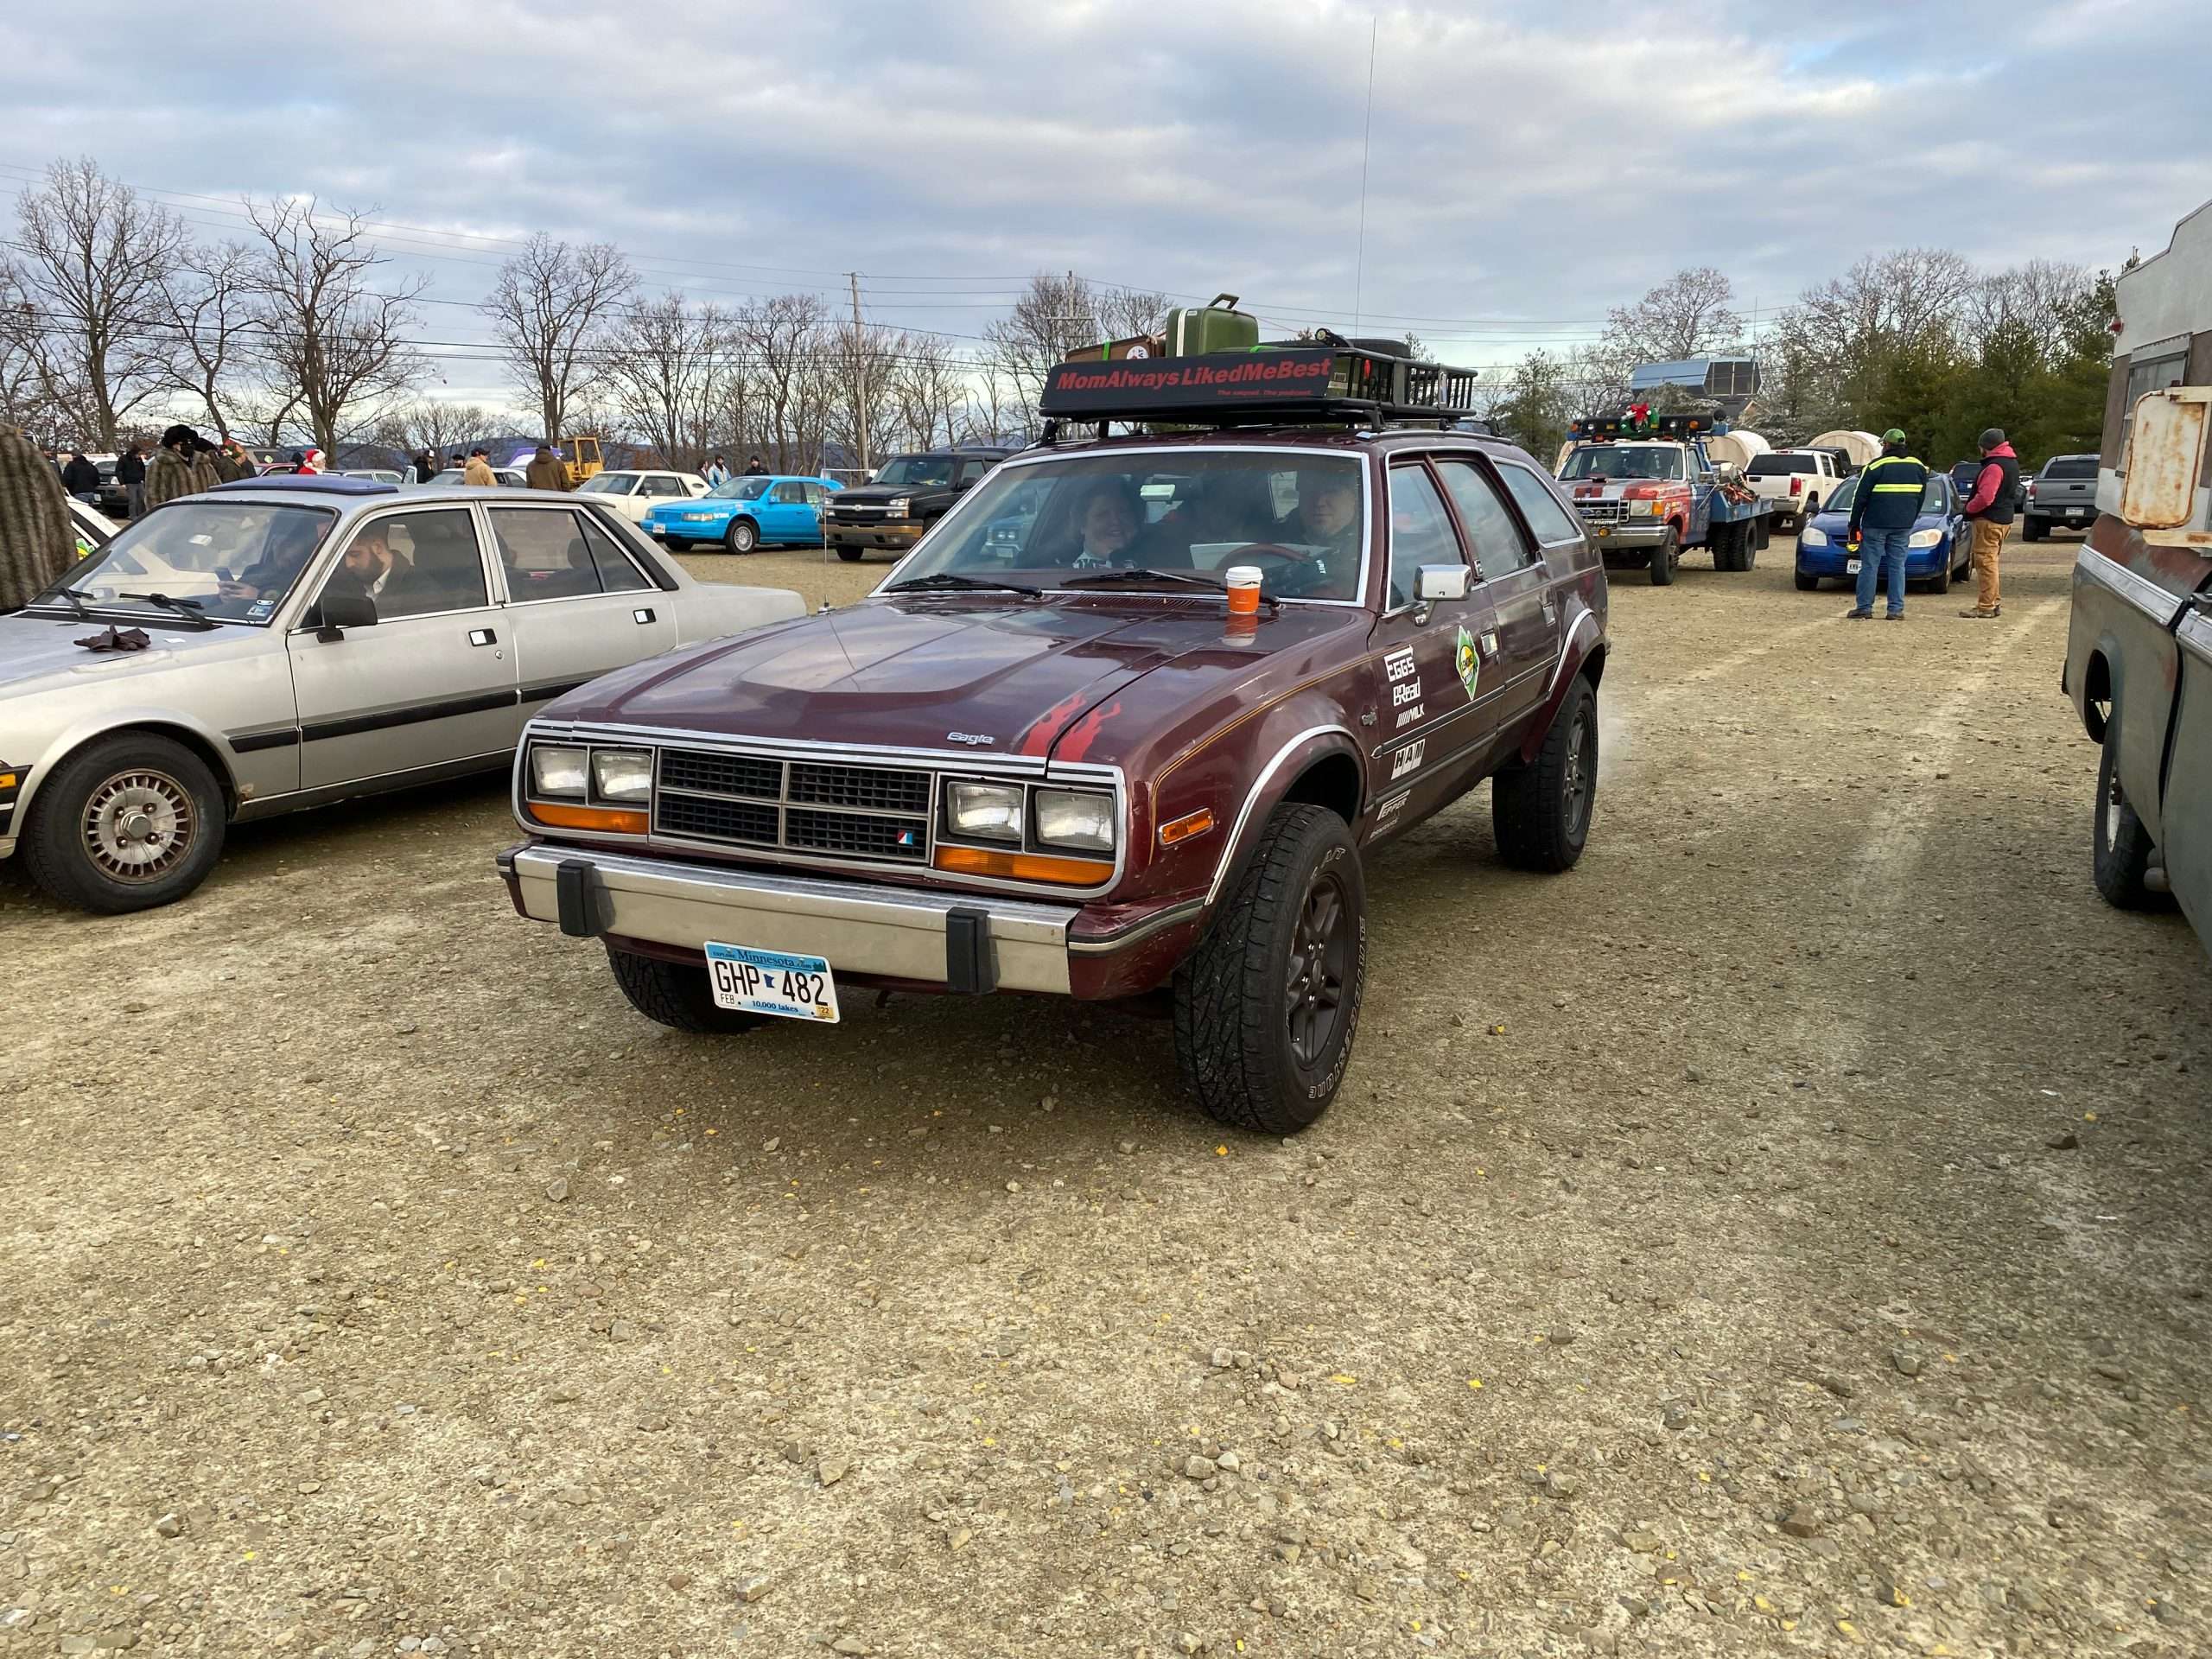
(1183, 829)
(614, 820)
(1022, 866)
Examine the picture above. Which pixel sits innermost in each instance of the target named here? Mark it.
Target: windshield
(1624, 460)
(920, 472)
(236, 559)
(1186, 514)
(1936, 498)
(607, 484)
(1781, 463)
(740, 488)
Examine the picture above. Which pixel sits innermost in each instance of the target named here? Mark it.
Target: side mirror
(339, 609)
(1435, 581)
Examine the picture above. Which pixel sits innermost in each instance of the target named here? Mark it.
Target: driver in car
(1326, 515)
(291, 542)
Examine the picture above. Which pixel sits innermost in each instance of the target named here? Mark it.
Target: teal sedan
(772, 510)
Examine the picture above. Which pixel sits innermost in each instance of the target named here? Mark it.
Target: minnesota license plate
(1851, 567)
(2073, 513)
(772, 983)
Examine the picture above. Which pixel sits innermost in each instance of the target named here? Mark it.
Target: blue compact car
(1938, 550)
(779, 509)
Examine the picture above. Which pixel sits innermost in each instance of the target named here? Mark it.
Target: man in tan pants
(1989, 513)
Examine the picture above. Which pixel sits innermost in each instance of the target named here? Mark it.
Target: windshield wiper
(1141, 573)
(76, 596)
(189, 609)
(949, 578)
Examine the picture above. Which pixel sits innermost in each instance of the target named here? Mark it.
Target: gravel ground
(1785, 1234)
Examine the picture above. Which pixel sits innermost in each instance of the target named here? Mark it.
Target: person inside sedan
(291, 542)
(1327, 514)
(1108, 527)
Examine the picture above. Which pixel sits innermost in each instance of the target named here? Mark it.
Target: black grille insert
(702, 818)
(877, 789)
(722, 774)
(850, 836)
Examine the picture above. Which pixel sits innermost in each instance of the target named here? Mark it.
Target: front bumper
(1833, 561)
(896, 534)
(965, 942)
(1632, 532)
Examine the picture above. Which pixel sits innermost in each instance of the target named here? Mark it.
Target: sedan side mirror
(342, 609)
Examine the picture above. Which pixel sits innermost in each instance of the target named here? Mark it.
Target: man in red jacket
(1989, 510)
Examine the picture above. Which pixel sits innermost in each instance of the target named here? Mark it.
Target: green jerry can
(1193, 331)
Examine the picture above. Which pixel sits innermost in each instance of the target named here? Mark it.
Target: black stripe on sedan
(253, 742)
(552, 689)
(413, 714)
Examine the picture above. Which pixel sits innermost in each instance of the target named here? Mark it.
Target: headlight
(1810, 538)
(1924, 539)
(987, 812)
(556, 770)
(1646, 509)
(1067, 818)
(622, 774)
(900, 506)
(699, 518)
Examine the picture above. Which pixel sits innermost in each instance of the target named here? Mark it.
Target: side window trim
(493, 585)
(1416, 463)
(1505, 468)
(1472, 460)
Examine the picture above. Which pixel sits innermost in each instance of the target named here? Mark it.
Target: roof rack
(1604, 428)
(311, 483)
(1269, 385)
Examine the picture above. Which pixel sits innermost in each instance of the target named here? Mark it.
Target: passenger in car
(1105, 528)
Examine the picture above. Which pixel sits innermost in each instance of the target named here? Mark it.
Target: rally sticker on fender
(1470, 665)
(1408, 758)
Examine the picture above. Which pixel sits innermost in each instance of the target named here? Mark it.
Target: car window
(817, 495)
(1782, 462)
(972, 470)
(617, 575)
(1552, 522)
(1624, 460)
(2071, 467)
(660, 485)
(789, 493)
(1420, 531)
(236, 559)
(608, 484)
(414, 563)
(1498, 546)
(545, 554)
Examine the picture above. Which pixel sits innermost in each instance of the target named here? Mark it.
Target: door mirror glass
(1436, 582)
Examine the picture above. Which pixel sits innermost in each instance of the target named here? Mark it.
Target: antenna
(1366, 141)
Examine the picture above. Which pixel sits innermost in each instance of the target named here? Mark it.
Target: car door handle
(642, 616)
(482, 637)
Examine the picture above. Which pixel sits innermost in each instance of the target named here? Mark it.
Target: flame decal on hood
(1085, 731)
(1046, 728)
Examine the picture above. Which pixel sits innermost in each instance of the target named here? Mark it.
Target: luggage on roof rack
(1301, 383)
(1192, 331)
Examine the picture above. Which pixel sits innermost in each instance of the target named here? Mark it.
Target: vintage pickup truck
(1122, 727)
(2138, 663)
(1648, 489)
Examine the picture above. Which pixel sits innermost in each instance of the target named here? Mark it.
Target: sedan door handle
(482, 637)
(642, 616)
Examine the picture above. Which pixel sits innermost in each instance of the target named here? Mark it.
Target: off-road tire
(1806, 584)
(851, 555)
(1540, 812)
(1664, 557)
(60, 852)
(742, 535)
(1231, 997)
(1724, 540)
(2120, 846)
(676, 994)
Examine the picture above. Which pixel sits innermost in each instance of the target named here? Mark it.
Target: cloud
(1531, 165)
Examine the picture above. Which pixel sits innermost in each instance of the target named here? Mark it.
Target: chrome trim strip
(1105, 943)
(1252, 797)
(2194, 636)
(1566, 648)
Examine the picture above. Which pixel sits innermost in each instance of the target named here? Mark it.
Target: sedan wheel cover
(1320, 958)
(138, 826)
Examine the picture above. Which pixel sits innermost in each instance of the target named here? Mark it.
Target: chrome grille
(1602, 512)
(874, 789)
(824, 808)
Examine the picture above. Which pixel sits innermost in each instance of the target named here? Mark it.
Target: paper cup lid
(1242, 575)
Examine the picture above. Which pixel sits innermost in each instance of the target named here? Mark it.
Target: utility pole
(860, 374)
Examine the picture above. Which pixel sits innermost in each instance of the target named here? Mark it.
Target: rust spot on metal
(2165, 453)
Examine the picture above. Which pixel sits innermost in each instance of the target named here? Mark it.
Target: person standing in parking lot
(131, 473)
(756, 468)
(479, 470)
(1883, 509)
(425, 467)
(546, 471)
(717, 473)
(80, 477)
(170, 475)
(37, 539)
(1989, 510)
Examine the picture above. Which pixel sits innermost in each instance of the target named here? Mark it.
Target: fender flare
(1288, 764)
(1585, 637)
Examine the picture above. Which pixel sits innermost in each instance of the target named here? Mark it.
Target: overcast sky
(1530, 165)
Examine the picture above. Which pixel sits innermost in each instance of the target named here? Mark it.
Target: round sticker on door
(1465, 660)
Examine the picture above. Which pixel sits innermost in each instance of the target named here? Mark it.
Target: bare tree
(554, 308)
(2044, 297)
(94, 258)
(664, 369)
(325, 330)
(208, 313)
(863, 412)
(440, 427)
(931, 390)
(1057, 315)
(784, 341)
(1689, 314)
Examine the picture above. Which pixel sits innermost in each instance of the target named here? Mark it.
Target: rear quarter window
(1774, 466)
(1552, 522)
(2071, 469)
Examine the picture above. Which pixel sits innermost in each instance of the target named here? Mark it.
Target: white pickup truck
(1798, 480)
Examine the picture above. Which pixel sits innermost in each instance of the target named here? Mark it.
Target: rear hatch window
(1772, 466)
(2072, 467)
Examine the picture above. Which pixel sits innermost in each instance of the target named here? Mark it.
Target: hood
(877, 494)
(910, 671)
(39, 656)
